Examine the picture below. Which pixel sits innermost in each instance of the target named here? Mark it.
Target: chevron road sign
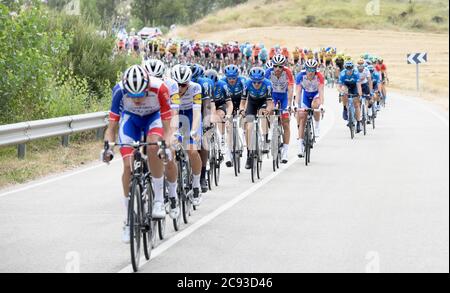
(417, 58)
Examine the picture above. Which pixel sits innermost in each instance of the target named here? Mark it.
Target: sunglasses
(257, 82)
(183, 85)
(231, 78)
(311, 69)
(278, 66)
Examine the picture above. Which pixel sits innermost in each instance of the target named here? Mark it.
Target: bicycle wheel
(235, 153)
(258, 159)
(217, 170)
(177, 221)
(183, 188)
(134, 220)
(351, 123)
(253, 169)
(148, 208)
(364, 120)
(307, 143)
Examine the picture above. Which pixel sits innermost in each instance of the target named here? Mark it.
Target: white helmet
(312, 63)
(279, 60)
(135, 81)
(155, 68)
(182, 74)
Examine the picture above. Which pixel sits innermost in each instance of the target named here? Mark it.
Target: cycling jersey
(145, 118)
(207, 86)
(310, 88)
(174, 93)
(233, 93)
(220, 98)
(364, 76)
(263, 55)
(192, 98)
(156, 100)
(376, 79)
(281, 84)
(350, 81)
(257, 98)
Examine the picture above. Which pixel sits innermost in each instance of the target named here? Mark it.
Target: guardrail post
(21, 151)
(100, 133)
(65, 141)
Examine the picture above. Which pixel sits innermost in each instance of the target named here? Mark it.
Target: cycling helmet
(212, 74)
(371, 68)
(155, 68)
(311, 63)
(361, 62)
(257, 74)
(135, 81)
(278, 60)
(197, 71)
(182, 74)
(231, 71)
(349, 65)
(269, 64)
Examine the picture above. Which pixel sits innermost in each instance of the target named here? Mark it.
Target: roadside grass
(45, 157)
(399, 15)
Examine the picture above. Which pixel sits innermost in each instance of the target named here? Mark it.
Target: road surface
(379, 203)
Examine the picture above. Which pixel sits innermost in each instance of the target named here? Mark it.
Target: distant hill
(400, 15)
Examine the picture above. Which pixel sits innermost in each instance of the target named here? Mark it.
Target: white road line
(31, 186)
(208, 218)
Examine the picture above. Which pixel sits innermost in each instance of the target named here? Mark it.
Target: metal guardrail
(21, 133)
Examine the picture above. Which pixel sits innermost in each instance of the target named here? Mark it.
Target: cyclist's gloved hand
(106, 156)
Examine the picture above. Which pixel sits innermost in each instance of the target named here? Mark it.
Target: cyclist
(376, 81)
(190, 122)
(231, 89)
(263, 55)
(156, 68)
(255, 56)
(350, 83)
(310, 95)
(140, 105)
(366, 80)
(282, 81)
(258, 100)
(207, 85)
(339, 61)
(382, 70)
(296, 55)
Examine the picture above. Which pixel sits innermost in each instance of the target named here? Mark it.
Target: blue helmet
(213, 75)
(371, 68)
(257, 74)
(197, 71)
(231, 71)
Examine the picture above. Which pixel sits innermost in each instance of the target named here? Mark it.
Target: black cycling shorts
(253, 107)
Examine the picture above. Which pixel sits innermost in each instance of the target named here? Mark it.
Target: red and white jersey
(156, 99)
(282, 83)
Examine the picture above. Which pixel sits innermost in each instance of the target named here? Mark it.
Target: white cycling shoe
(301, 152)
(317, 132)
(174, 209)
(284, 155)
(159, 211)
(126, 234)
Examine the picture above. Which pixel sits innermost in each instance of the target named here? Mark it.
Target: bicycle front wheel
(135, 220)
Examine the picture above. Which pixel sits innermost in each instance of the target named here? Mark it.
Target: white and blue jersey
(310, 88)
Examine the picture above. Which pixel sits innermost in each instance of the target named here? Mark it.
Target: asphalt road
(379, 203)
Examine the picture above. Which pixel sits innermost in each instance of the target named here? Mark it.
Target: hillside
(402, 15)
